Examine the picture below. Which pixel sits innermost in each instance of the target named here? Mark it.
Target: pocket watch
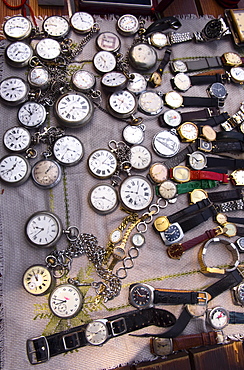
(122, 104)
(127, 25)
(181, 82)
(104, 61)
(32, 114)
(38, 77)
(113, 81)
(83, 81)
(173, 234)
(18, 54)
(13, 91)
(171, 117)
(102, 163)
(135, 193)
(97, 332)
(48, 49)
(137, 83)
(66, 301)
(68, 150)
(166, 143)
(167, 189)
(142, 56)
(188, 132)
(82, 22)
(158, 172)
(46, 173)
(218, 318)
(103, 198)
(73, 109)
(14, 169)
(197, 160)
(17, 139)
(237, 75)
(108, 41)
(17, 28)
(56, 26)
(37, 280)
(133, 134)
(43, 229)
(150, 103)
(140, 157)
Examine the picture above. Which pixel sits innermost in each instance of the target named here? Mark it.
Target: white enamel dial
(18, 54)
(46, 173)
(68, 150)
(113, 81)
(96, 332)
(37, 280)
(122, 104)
(188, 131)
(133, 134)
(104, 61)
(13, 91)
(66, 301)
(48, 49)
(218, 318)
(140, 157)
(137, 84)
(14, 169)
(17, 28)
(102, 163)
(83, 80)
(182, 81)
(82, 22)
(32, 114)
(17, 139)
(56, 26)
(38, 77)
(127, 25)
(103, 198)
(136, 193)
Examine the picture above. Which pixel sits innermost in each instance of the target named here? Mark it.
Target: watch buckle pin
(220, 230)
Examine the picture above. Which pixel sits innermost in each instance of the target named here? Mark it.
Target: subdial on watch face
(103, 198)
(46, 173)
(102, 163)
(18, 54)
(66, 301)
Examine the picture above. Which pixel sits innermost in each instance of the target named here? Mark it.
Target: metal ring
(165, 203)
(72, 233)
(138, 227)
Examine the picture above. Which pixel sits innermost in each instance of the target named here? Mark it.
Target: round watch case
(237, 74)
(158, 172)
(68, 150)
(137, 84)
(96, 332)
(32, 114)
(48, 49)
(18, 54)
(13, 91)
(66, 301)
(178, 66)
(83, 81)
(181, 81)
(142, 57)
(140, 157)
(158, 40)
(17, 27)
(135, 193)
(56, 26)
(108, 41)
(14, 169)
(238, 294)
(231, 59)
(82, 22)
(150, 103)
(197, 160)
(218, 90)
(38, 77)
(46, 173)
(218, 318)
(188, 131)
(166, 143)
(104, 61)
(171, 117)
(113, 81)
(122, 104)
(103, 198)
(173, 99)
(167, 189)
(141, 296)
(37, 280)
(133, 134)
(17, 139)
(127, 25)
(102, 163)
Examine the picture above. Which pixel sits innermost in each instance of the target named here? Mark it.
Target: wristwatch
(195, 65)
(155, 79)
(174, 100)
(187, 187)
(235, 120)
(183, 82)
(236, 75)
(40, 349)
(167, 190)
(238, 294)
(188, 131)
(213, 30)
(158, 173)
(184, 174)
(144, 296)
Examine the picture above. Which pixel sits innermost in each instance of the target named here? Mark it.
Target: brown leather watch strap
(194, 340)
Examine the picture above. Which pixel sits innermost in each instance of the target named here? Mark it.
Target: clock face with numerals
(66, 301)
(102, 163)
(37, 280)
(136, 193)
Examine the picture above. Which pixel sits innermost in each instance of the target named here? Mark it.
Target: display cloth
(25, 316)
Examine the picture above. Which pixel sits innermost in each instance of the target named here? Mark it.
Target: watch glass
(238, 293)
(46, 173)
(237, 74)
(138, 240)
(17, 28)
(142, 57)
(166, 144)
(14, 169)
(38, 77)
(18, 54)
(104, 61)
(218, 90)
(48, 49)
(182, 81)
(116, 236)
(188, 131)
(113, 81)
(140, 157)
(197, 160)
(167, 189)
(83, 80)
(108, 41)
(158, 172)
(178, 66)
(43, 229)
(127, 25)
(32, 114)
(173, 234)
(212, 29)
(172, 118)
(141, 296)
(82, 22)
(122, 104)
(68, 150)
(173, 99)
(181, 174)
(158, 40)
(197, 195)
(66, 301)
(56, 26)
(218, 318)
(232, 59)
(208, 133)
(102, 163)
(17, 139)
(103, 198)
(37, 280)
(137, 83)
(13, 91)
(150, 103)
(96, 332)
(136, 193)
(133, 134)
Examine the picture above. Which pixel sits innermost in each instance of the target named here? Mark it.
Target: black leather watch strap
(216, 120)
(206, 79)
(180, 156)
(195, 101)
(197, 219)
(163, 24)
(230, 280)
(231, 164)
(225, 146)
(219, 196)
(164, 296)
(229, 136)
(201, 114)
(189, 211)
(204, 63)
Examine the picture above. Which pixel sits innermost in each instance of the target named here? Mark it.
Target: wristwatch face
(230, 229)
(96, 332)
(167, 189)
(122, 104)
(197, 160)
(142, 57)
(232, 59)
(108, 41)
(213, 29)
(133, 134)
(82, 22)
(208, 133)
(173, 99)
(13, 91)
(14, 169)
(113, 81)
(68, 150)
(17, 139)
(166, 144)
(238, 293)
(37, 280)
(48, 49)
(66, 301)
(172, 118)
(103, 198)
(178, 66)
(218, 318)
(56, 26)
(17, 28)
(38, 77)
(238, 177)
(218, 90)
(137, 84)
(172, 234)
(102, 163)
(182, 81)
(141, 296)
(150, 103)
(237, 74)
(140, 157)
(181, 174)
(18, 54)
(188, 131)
(197, 195)
(83, 80)
(158, 40)
(46, 173)
(32, 114)
(138, 240)
(161, 223)
(158, 172)
(104, 61)
(127, 25)
(43, 229)
(136, 193)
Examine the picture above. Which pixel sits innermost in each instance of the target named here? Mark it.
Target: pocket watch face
(104, 61)
(142, 57)
(172, 234)
(103, 198)
(113, 81)
(46, 173)
(38, 77)
(188, 131)
(18, 54)
(48, 49)
(218, 318)
(141, 296)
(166, 144)
(197, 160)
(74, 109)
(68, 150)
(82, 22)
(96, 332)
(108, 41)
(133, 134)
(83, 80)
(137, 84)
(66, 301)
(56, 26)
(17, 139)
(150, 103)
(172, 118)
(102, 163)
(37, 280)
(158, 40)
(140, 157)
(17, 28)
(167, 189)
(173, 99)
(127, 25)
(122, 104)
(237, 74)
(13, 91)
(14, 169)
(32, 114)
(136, 193)
(182, 81)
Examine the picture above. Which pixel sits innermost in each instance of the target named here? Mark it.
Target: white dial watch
(56, 26)
(66, 301)
(133, 134)
(140, 157)
(38, 77)
(37, 280)
(32, 114)
(17, 139)
(13, 91)
(14, 169)
(102, 163)
(127, 25)
(83, 80)
(82, 22)
(137, 84)
(17, 27)
(113, 81)
(135, 193)
(104, 61)
(48, 49)
(68, 150)
(103, 198)
(122, 104)
(18, 54)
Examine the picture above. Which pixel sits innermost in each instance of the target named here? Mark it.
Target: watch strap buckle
(118, 326)
(38, 350)
(71, 341)
(202, 298)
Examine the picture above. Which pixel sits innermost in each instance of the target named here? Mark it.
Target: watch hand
(36, 278)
